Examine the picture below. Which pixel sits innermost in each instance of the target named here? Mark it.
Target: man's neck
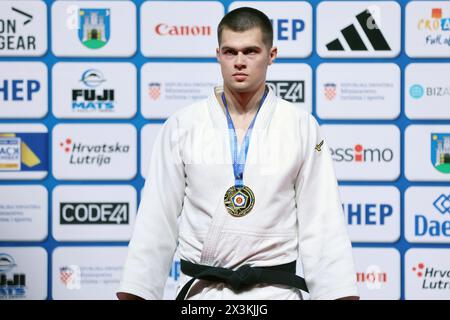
(243, 102)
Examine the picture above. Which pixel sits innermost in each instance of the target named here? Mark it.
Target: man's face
(244, 59)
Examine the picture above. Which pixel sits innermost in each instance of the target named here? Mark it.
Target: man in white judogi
(241, 179)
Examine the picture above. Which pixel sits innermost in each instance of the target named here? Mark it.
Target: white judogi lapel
(219, 122)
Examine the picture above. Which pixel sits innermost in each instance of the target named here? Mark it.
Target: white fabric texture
(297, 211)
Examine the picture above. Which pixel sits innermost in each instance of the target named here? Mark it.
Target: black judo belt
(242, 278)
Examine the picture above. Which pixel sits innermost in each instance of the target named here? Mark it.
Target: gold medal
(239, 201)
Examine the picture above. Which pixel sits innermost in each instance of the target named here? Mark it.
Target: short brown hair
(246, 18)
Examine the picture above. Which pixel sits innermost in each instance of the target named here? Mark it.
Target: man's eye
(228, 52)
(249, 51)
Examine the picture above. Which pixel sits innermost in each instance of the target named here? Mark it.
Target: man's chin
(241, 87)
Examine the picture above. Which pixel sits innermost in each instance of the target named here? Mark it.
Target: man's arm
(324, 246)
(155, 236)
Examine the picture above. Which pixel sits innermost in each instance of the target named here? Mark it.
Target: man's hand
(127, 296)
(349, 298)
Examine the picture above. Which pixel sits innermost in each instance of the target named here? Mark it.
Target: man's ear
(217, 54)
(273, 54)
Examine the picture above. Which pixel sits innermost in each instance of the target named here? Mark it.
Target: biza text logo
(432, 278)
(417, 91)
(92, 99)
(94, 27)
(92, 154)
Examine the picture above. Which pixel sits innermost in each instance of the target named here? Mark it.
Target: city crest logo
(440, 151)
(94, 27)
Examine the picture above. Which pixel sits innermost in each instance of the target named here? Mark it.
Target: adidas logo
(354, 39)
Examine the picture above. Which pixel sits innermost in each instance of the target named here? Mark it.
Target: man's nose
(240, 61)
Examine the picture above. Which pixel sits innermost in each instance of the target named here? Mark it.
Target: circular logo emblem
(416, 91)
(239, 201)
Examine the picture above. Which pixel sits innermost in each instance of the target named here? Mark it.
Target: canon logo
(164, 29)
(371, 277)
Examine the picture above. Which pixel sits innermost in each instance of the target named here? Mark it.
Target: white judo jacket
(297, 210)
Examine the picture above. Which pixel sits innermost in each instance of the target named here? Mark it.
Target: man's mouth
(240, 76)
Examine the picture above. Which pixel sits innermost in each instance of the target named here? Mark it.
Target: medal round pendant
(239, 201)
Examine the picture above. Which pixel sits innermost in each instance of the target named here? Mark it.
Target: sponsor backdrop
(86, 85)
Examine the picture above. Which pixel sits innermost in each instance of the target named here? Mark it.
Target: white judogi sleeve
(325, 248)
(155, 236)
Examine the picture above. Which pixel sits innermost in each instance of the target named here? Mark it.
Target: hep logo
(66, 144)
(419, 269)
(442, 204)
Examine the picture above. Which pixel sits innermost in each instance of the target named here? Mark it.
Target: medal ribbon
(239, 159)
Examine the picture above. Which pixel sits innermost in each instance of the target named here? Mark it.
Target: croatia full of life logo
(435, 26)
